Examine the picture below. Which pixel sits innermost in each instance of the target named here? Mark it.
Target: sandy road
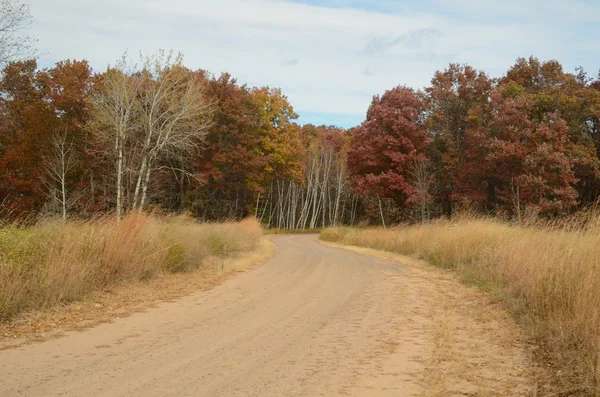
(313, 321)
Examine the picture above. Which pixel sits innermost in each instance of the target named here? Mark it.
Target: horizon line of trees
(525, 144)
(162, 136)
(157, 135)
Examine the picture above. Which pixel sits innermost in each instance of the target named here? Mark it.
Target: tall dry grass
(55, 262)
(548, 275)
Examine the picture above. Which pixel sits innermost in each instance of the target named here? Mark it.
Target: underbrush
(549, 276)
(54, 261)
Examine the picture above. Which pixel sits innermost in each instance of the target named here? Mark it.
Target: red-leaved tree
(387, 145)
(516, 162)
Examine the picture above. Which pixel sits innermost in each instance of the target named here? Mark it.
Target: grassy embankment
(548, 276)
(55, 262)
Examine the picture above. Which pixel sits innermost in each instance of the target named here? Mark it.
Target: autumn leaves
(524, 143)
(160, 135)
(154, 133)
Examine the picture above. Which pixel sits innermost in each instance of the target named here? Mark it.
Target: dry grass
(548, 276)
(126, 298)
(55, 262)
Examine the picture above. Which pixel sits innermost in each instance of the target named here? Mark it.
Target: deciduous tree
(571, 97)
(387, 145)
(27, 120)
(453, 95)
(115, 119)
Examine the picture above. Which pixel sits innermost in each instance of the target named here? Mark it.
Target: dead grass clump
(547, 274)
(56, 262)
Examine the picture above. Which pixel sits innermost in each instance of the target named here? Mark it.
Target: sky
(328, 56)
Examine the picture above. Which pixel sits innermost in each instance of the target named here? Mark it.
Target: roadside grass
(547, 275)
(56, 262)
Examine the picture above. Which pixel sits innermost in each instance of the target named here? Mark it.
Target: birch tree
(115, 117)
(58, 166)
(174, 116)
(423, 179)
(320, 199)
(149, 117)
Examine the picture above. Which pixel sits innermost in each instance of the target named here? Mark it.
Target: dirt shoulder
(462, 342)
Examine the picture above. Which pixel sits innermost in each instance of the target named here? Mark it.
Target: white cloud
(315, 54)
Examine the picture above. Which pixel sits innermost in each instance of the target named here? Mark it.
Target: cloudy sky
(328, 56)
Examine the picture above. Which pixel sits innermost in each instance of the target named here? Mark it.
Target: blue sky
(328, 56)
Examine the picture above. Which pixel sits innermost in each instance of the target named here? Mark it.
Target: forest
(158, 136)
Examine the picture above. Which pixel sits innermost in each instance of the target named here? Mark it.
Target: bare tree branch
(15, 18)
(58, 165)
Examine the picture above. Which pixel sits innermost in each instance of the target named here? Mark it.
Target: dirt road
(314, 320)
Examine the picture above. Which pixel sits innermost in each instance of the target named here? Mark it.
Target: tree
(387, 145)
(155, 117)
(523, 162)
(572, 98)
(27, 120)
(38, 106)
(115, 119)
(174, 116)
(58, 165)
(279, 136)
(14, 18)
(318, 200)
(67, 88)
(423, 181)
(252, 146)
(232, 163)
(452, 97)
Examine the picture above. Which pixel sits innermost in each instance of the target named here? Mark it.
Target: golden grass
(55, 262)
(548, 276)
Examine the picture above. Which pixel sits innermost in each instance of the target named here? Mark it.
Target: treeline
(161, 136)
(525, 144)
(158, 135)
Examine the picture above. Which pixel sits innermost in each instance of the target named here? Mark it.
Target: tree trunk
(119, 183)
(145, 188)
(138, 184)
(381, 212)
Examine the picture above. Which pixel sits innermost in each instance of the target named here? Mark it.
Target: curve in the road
(312, 321)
